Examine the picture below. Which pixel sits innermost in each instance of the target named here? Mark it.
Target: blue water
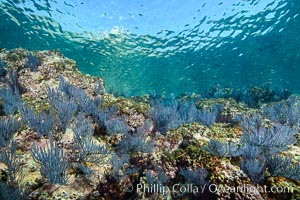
(164, 46)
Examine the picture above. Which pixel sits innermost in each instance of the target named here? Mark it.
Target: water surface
(164, 46)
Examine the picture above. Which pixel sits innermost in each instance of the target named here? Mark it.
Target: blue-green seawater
(171, 47)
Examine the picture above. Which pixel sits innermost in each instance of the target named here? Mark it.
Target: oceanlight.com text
(213, 188)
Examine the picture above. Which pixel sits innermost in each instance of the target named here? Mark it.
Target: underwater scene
(153, 99)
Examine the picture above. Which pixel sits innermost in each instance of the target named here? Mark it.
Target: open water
(171, 47)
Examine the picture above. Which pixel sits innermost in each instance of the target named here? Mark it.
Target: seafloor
(64, 137)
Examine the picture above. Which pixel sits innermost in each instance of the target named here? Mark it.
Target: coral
(12, 81)
(8, 126)
(32, 62)
(253, 163)
(55, 95)
(260, 142)
(66, 112)
(101, 116)
(116, 126)
(272, 139)
(65, 108)
(65, 87)
(10, 101)
(83, 127)
(198, 177)
(100, 89)
(208, 116)
(12, 162)
(84, 102)
(134, 143)
(2, 67)
(83, 148)
(284, 112)
(118, 163)
(137, 141)
(222, 149)
(43, 122)
(162, 116)
(170, 113)
(8, 192)
(53, 162)
(156, 176)
(253, 96)
(283, 166)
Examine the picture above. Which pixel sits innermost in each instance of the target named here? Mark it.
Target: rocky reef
(62, 136)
